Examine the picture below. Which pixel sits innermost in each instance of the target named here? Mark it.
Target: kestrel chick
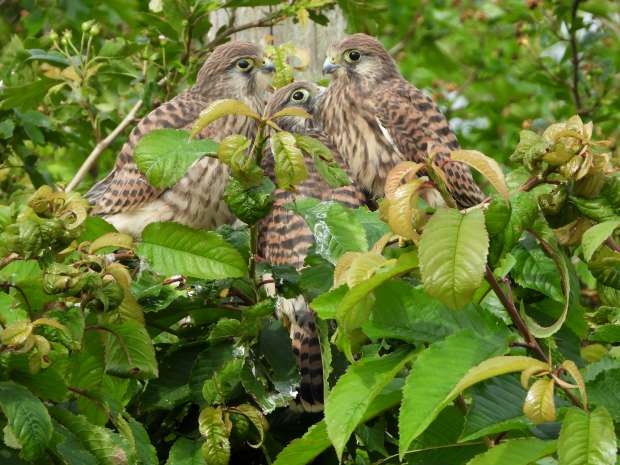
(377, 119)
(284, 237)
(236, 70)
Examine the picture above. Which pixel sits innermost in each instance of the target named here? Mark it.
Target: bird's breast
(359, 138)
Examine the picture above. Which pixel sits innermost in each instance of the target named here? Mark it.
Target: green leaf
(172, 249)
(539, 405)
(595, 236)
(587, 439)
(165, 155)
(94, 227)
(186, 452)
(326, 304)
(303, 450)
(290, 165)
(72, 451)
(28, 419)
(496, 407)
(336, 228)
(147, 455)
(129, 351)
(606, 268)
(354, 308)
(255, 417)
(443, 371)
(108, 447)
(535, 270)
(453, 252)
(27, 95)
(516, 452)
(329, 170)
(350, 398)
(219, 109)
(249, 204)
(530, 149)
(216, 447)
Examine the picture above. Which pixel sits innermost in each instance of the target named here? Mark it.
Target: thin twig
(575, 57)
(514, 315)
(8, 259)
(608, 242)
(101, 146)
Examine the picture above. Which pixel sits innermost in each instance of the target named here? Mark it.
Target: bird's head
(359, 57)
(236, 70)
(301, 94)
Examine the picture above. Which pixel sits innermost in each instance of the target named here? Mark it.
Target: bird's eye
(352, 56)
(245, 64)
(300, 96)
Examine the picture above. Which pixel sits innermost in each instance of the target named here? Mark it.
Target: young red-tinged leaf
(572, 370)
(539, 405)
(489, 168)
(587, 439)
(291, 111)
(403, 212)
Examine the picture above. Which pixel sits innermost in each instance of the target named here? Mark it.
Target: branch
(507, 302)
(101, 146)
(8, 259)
(575, 57)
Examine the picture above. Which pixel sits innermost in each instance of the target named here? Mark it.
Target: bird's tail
(307, 352)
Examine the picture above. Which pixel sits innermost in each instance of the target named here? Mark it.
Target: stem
(8, 259)
(253, 250)
(514, 315)
(575, 57)
(101, 146)
(608, 242)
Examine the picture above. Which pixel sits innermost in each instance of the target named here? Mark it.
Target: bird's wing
(412, 123)
(126, 188)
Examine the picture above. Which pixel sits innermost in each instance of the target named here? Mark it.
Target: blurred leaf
(216, 446)
(186, 452)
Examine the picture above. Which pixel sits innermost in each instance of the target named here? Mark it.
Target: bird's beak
(268, 66)
(329, 66)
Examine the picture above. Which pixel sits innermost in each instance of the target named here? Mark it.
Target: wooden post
(313, 38)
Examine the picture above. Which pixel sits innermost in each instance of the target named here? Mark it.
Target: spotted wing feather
(414, 125)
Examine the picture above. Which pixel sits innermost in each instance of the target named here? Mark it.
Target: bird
(235, 70)
(284, 237)
(376, 119)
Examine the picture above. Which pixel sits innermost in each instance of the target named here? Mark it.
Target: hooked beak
(267, 67)
(329, 66)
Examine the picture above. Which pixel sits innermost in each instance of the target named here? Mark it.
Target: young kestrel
(377, 119)
(284, 237)
(236, 70)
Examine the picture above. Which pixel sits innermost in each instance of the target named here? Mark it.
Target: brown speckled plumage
(285, 238)
(377, 119)
(125, 198)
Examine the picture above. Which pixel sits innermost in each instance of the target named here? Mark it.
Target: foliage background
(494, 67)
